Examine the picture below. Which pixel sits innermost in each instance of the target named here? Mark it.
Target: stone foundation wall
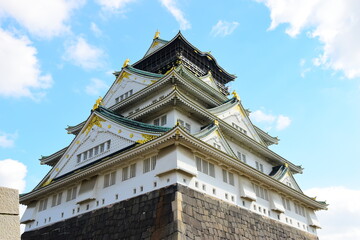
(174, 212)
(9, 214)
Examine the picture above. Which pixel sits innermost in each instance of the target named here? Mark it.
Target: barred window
(205, 167)
(110, 179)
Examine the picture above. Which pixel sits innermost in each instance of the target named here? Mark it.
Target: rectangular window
(71, 194)
(131, 92)
(299, 209)
(153, 162)
(146, 165)
(116, 100)
(53, 204)
(211, 170)
(198, 164)
(43, 204)
(205, 167)
(228, 177)
(56, 199)
(241, 156)
(90, 153)
(261, 192)
(231, 178)
(157, 122)
(102, 147)
(133, 170)
(286, 203)
(85, 155)
(149, 164)
(163, 120)
(96, 150)
(259, 167)
(125, 175)
(188, 127)
(109, 179)
(224, 175)
(78, 158)
(108, 145)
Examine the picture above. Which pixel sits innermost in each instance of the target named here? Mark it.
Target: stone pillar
(9, 214)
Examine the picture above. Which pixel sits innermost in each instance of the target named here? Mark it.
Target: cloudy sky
(297, 65)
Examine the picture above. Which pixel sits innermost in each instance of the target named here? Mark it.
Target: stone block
(9, 199)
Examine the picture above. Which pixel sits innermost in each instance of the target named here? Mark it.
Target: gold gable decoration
(122, 76)
(97, 103)
(236, 95)
(147, 137)
(157, 34)
(47, 182)
(96, 120)
(126, 62)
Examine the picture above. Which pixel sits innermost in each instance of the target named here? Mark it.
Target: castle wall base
(173, 212)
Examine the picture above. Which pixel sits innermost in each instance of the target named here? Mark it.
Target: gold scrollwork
(146, 137)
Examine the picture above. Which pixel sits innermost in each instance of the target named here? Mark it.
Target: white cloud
(270, 121)
(96, 87)
(41, 17)
(172, 7)
(260, 116)
(334, 23)
(282, 122)
(342, 219)
(19, 67)
(114, 5)
(223, 28)
(82, 54)
(12, 174)
(95, 29)
(7, 140)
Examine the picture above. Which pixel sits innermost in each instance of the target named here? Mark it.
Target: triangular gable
(234, 114)
(213, 136)
(128, 82)
(155, 45)
(101, 136)
(208, 78)
(283, 174)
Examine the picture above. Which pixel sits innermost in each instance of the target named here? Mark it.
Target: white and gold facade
(153, 130)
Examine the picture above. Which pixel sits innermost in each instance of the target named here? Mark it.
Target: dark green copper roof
(128, 122)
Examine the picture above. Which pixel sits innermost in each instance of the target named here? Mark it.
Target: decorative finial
(157, 34)
(236, 95)
(97, 103)
(126, 62)
(216, 122)
(286, 165)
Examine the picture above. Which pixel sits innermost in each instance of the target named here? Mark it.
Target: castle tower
(169, 153)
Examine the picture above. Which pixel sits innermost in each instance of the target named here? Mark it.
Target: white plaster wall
(167, 159)
(195, 125)
(135, 82)
(251, 158)
(148, 100)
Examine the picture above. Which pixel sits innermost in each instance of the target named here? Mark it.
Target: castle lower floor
(172, 212)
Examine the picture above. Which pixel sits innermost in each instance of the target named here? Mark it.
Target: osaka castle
(169, 153)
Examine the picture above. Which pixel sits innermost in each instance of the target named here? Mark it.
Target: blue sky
(297, 65)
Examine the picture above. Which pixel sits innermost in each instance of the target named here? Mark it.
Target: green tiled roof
(130, 123)
(142, 72)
